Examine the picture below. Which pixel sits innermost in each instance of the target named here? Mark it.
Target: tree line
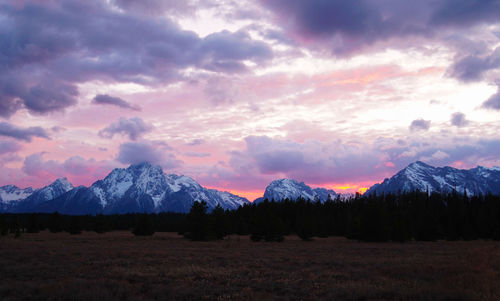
(387, 217)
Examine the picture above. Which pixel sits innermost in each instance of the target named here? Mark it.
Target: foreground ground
(119, 266)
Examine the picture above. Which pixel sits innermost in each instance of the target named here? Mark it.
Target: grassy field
(119, 266)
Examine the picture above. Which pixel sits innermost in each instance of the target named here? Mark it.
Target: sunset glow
(236, 94)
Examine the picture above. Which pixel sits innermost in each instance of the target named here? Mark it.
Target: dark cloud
(226, 51)
(458, 119)
(51, 97)
(138, 152)
(350, 26)
(464, 13)
(25, 134)
(156, 7)
(473, 67)
(9, 106)
(9, 147)
(133, 127)
(105, 99)
(47, 49)
(47, 95)
(420, 124)
(493, 102)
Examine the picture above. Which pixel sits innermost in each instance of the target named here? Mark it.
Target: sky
(338, 94)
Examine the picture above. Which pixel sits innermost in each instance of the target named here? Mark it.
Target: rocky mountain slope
(423, 177)
(138, 188)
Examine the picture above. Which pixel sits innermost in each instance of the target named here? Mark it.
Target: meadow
(120, 266)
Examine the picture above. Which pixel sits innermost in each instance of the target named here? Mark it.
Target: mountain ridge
(424, 177)
(291, 189)
(139, 188)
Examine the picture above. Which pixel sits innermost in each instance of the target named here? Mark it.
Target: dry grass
(119, 266)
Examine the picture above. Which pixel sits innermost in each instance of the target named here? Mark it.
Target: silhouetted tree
(143, 226)
(55, 224)
(219, 222)
(4, 228)
(306, 226)
(33, 224)
(99, 223)
(74, 225)
(197, 222)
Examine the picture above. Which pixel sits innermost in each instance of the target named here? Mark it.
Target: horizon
(252, 196)
(337, 94)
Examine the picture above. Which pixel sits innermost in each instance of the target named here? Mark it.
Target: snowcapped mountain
(423, 177)
(138, 188)
(290, 189)
(10, 195)
(54, 190)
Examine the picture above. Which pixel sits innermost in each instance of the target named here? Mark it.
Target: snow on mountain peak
(139, 188)
(12, 193)
(176, 182)
(62, 183)
(423, 177)
(291, 189)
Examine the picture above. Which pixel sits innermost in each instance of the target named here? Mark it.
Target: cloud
(349, 27)
(134, 127)
(195, 142)
(9, 106)
(58, 129)
(25, 134)
(41, 72)
(138, 152)
(9, 147)
(463, 13)
(470, 153)
(45, 98)
(157, 7)
(473, 67)
(116, 101)
(458, 119)
(78, 170)
(311, 161)
(437, 156)
(493, 102)
(197, 154)
(420, 124)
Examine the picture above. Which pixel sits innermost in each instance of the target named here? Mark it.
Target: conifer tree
(55, 223)
(4, 229)
(197, 221)
(33, 224)
(99, 223)
(74, 226)
(143, 225)
(219, 222)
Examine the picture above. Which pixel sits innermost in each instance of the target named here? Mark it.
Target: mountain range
(291, 189)
(138, 188)
(146, 188)
(423, 177)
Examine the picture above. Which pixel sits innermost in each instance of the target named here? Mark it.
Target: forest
(400, 217)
